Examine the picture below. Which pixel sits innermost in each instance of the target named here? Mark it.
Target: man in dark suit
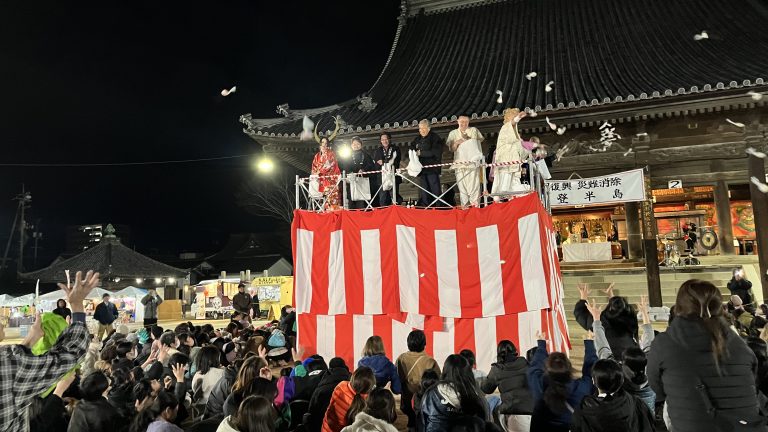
(383, 155)
(429, 147)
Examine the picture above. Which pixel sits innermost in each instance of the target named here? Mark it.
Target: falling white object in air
(551, 125)
(762, 187)
(306, 126)
(753, 152)
(642, 134)
(226, 92)
(499, 100)
(561, 130)
(701, 36)
(548, 87)
(755, 95)
(66, 272)
(532, 114)
(628, 152)
(531, 76)
(421, 275)
(502, 262)
(737, 124)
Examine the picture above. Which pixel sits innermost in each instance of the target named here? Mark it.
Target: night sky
(105, 82)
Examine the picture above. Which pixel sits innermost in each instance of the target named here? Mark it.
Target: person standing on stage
(360, 161)
(151, 301)
(509, 148)
(324, 166)
(241, 302)
(105, 314)
(429, 147)
(464, 142)
(388, 153)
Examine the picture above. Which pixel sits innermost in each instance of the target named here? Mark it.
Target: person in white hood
(379, 414)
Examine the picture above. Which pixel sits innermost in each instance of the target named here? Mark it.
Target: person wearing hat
(150, 301)
(105, 314)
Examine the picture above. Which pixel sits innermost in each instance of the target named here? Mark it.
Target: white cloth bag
(314, 187)
(414, 166)
(388, 174)
(360, 188)
(541, 166)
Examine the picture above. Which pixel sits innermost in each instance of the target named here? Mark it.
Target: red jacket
(335, 415)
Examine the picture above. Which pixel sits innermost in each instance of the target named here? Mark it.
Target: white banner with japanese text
(614, 188)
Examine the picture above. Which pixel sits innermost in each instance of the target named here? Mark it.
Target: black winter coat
(95, 416)
(618, 413)
(742, 289)
(511, 379)
(682, 356)
(304, 387)
(358, 161)
(321, 397)
(621, 331)
(431, 148)
(219, 394)
(51, 415)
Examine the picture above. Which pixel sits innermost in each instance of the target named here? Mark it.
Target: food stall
(274, 292)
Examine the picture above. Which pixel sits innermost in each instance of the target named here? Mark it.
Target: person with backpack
(613, 409)
(410, 367)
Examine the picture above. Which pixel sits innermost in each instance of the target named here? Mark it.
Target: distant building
(83, 237)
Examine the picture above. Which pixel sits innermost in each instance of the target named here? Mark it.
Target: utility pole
(24, 198)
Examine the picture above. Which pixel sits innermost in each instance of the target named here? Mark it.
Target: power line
(165, 162)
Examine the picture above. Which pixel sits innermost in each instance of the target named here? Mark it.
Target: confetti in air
(762, 187)
(701, 36)
(421, 275)
(755, 95)
(628, 152)
(737, 124)
(531, 76)
(499, 100)
(548, 87)
(752, 152)
(561, 130)
(66, 272)
(551, 125)
(306, 125)
(502, 262)
(532, 114)
(226, 92)
(642, 134)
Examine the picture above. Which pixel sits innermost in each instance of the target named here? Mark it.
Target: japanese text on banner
(620, 187)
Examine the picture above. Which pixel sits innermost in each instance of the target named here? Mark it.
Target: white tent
(52, 296)
(25, 300)
(5, 298)
(131, 291)
(97, 293)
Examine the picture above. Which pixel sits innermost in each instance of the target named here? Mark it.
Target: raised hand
(262, 352)
(609, 291)
(583, 291)
(79, 291)
(594, 309)
(642, 306)
(35, 332)
(589, 336)
(163, 353)
(541, 335)
(64, 383)
(265, 373)
(178, 371)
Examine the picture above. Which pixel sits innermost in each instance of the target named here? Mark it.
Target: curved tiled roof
(597, 52)
(110, 258)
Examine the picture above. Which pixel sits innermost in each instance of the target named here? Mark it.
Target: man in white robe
(509, 149)
(464, 142)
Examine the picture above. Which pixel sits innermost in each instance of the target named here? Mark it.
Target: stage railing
(309, 197)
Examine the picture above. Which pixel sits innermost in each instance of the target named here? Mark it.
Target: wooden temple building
(642, 66)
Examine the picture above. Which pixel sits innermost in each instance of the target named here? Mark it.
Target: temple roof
(450, 57)
(110, 258)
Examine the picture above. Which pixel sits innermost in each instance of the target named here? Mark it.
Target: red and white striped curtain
(469, 278)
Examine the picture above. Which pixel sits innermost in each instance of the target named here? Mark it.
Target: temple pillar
(723, 208)
(634, 230)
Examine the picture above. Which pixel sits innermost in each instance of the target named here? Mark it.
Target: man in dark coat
(429, 147)
(388, 153)
(740, 286)
(241, 302)
(105, 314)
(360, 161)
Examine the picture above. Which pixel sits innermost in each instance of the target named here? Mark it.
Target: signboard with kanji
(615, 188)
